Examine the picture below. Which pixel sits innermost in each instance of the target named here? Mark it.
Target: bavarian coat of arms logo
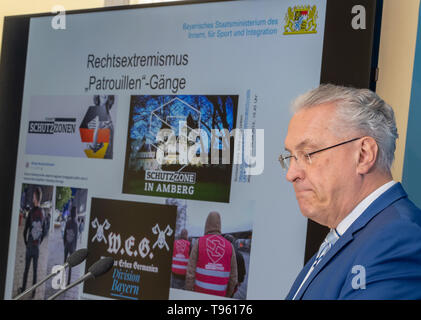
(301, 20)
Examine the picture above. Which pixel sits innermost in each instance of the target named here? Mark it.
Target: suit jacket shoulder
(378, 257)
(389, 255)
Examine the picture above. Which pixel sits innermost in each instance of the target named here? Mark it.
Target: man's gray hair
(359, 110)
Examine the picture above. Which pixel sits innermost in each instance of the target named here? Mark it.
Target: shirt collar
(360, 208)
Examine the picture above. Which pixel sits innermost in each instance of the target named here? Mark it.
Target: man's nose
(295, 171)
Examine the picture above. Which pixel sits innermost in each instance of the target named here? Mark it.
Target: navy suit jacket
(385, 242)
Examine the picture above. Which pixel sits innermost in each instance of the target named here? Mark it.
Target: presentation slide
(138, 123)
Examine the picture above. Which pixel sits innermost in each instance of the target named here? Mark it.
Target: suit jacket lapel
(342, 241)
(299, 279)
(393, 194)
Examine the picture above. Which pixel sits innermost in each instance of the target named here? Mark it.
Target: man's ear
(368, 153)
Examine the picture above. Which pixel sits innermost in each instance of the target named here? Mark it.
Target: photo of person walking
(32, 240)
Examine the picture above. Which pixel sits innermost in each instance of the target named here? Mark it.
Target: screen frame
(359, 71)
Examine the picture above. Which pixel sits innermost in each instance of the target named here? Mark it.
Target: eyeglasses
(305, 157)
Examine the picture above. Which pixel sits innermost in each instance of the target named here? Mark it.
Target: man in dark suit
(339, 150)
